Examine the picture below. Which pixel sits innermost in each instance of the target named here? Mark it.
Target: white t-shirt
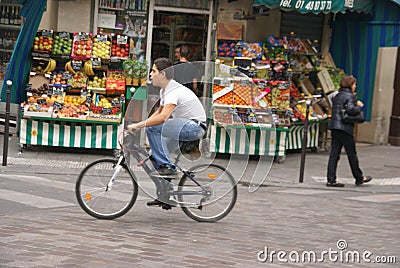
(187, 104)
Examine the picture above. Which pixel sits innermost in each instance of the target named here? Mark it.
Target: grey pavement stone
(281, 215)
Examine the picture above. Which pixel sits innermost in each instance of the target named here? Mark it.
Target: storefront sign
(317, 6)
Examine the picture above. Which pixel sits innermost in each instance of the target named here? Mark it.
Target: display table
(295, 135)
(248, 140)
(69, 133)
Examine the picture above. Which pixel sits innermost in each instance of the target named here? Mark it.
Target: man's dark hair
(164, 64)
(184, 51)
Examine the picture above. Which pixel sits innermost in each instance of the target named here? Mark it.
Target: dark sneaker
(334, 184)
(364, 180)
(157, 202)
(164, 170)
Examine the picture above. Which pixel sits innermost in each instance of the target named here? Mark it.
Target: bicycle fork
(117, 169)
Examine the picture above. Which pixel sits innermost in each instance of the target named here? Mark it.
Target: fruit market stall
(243, 122)
(283, 72)
(77, 90)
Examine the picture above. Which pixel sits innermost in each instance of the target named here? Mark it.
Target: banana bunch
(51, 65)
(88, 68)
(68, 68)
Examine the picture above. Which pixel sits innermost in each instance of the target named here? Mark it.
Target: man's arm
(158, 118)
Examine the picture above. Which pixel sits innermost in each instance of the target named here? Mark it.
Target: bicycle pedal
(166, 206)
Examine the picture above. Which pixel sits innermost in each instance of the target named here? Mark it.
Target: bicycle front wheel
(216, 201)
(97, 198)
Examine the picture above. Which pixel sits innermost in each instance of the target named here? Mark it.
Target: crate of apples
(62, 44)
(43, 41)
(101, 47)
(120, 47)
(82, 46)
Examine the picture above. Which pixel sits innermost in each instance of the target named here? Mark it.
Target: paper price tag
(222, 92)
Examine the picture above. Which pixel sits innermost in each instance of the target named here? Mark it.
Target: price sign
(66, 76)
(77, 64)
(57, 105)
(114, 102)
(47, 33)
(41, 101)
(57, 91)
(106, 110)
(89, 99)
(101, 38)
(122, 39)
(233, 110)
(96, 63)
(64, 35)
(251, 118)
(83, 36)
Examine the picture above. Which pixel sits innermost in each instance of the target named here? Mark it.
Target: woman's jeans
(165, 138)
(340, 139)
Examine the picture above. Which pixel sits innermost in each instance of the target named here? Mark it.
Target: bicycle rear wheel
(96, 198)
(211, 206)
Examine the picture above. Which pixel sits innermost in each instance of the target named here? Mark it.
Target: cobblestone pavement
(42, 226)
(278, 218)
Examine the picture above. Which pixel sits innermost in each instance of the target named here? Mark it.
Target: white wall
(50, 16)
(70, 16)
(253, 30)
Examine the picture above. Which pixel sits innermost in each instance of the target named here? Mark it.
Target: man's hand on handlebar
(132, 128)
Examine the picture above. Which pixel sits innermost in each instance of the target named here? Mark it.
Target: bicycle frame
(164, 187)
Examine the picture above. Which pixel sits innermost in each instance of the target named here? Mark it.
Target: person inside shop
(180, 117)
(186, 73)
(343, 133)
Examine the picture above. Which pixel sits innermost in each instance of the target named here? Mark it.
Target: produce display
(101, 47)
(96, 82)
(82, 46)
(120, 47)
(43, 42)
(278, 68)
(62, 45)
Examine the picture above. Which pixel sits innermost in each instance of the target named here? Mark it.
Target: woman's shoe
(364, 180)
(335, 184)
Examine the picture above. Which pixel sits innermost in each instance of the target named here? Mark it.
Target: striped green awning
(318, 6)
(20, 62)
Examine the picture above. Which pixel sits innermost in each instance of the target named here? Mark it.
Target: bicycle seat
(189, 146)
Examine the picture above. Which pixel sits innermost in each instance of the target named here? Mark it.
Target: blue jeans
(165, 138)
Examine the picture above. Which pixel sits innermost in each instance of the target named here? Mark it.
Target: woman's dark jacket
(344, 99)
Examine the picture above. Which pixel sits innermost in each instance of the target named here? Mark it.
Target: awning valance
(318, 6)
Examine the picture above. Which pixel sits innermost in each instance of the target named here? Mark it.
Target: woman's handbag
(352, 119)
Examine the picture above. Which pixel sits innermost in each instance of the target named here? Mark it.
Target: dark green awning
(20, 63)
(318, 6)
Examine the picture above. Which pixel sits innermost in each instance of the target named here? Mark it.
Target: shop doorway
(171, 29)
(394, 130)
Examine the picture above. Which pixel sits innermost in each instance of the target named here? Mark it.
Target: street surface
(282, 224)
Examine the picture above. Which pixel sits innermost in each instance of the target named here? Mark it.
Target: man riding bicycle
(180, 117)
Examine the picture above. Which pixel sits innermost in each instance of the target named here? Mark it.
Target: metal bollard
(304, 143)
(7, 123)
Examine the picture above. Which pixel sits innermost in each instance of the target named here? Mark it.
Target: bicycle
(108, 188)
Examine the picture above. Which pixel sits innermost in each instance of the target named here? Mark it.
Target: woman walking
(343, 133)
